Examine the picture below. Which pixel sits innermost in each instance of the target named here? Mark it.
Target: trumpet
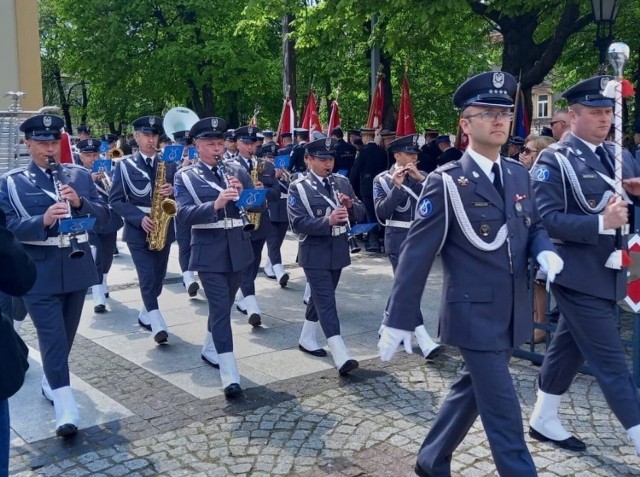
(115, 153)
(351, 240)
(247, 225)
(105, 180)
(286, 175)
(76, 251)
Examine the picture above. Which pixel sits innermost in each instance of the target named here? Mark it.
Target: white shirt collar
(483, 162)
(589, 145)
(320, 179)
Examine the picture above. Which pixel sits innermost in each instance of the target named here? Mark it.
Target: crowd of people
(485, 213)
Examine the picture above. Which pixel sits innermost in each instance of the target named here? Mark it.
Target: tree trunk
(389, 118)
(289, 83)
(64, 104)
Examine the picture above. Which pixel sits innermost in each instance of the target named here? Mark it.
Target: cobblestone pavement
(370, 423)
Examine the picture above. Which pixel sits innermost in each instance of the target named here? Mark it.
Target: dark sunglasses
(556, 122)
(526, 150)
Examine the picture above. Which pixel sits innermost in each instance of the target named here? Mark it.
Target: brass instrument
(76, 251)
(162, 210)
(247, 225)
(115, 153)
(351, 240)
(258, 168)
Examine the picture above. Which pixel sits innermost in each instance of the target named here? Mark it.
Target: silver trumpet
(351, 240)
(105, 180)
(76, 251)
(247, 225)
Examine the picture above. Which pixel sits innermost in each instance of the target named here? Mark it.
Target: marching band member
(101, 238)
(231, 145)
(132, 193)
(246, 301)
(279, 220)
(321, 206)
(34, 199)
(301, 136)
(479, 213)
(183, 232)
(395, 193)
(221, 250)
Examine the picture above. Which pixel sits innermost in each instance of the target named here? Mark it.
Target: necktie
(606, 162)
(148, 161)
(327, 186)
(497, 182)
(49, 173)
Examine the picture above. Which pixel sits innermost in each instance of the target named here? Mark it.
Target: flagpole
(516, 105)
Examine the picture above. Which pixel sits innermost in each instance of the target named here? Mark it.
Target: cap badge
(327, 143)
(415, 139)
(603, 82)
(498, 79)
(46, 121)
(250, 130)
(214, 123)
(90, 142)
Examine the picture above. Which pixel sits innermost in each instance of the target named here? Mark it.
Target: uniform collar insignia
(463, 181)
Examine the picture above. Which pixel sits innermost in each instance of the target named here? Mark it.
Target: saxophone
(254, 217)
(162, 210)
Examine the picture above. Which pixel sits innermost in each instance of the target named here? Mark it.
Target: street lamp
(604, 14)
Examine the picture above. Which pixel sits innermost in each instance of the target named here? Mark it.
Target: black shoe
(106, 295)
(553, 315)
(210, 363)
(99, 308)
(254, 320)
(420, 471)
(320, 353)
(348, 366)
(570, 443)
(143, 325)
(233, 391)
(66, 430)
(434, 353)
(244, 312)
(284, 279)
(306, 302)
(161, 337)
(116, 251)
(193, 289)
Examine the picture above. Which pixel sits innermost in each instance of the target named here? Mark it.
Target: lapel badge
(475, 174)
(463, 181)
(485, 230)
(508, 171)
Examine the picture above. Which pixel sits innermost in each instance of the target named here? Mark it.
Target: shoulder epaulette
(513, 161)
(448, 166)
(73, 166)
(17, 170)
(297, 180)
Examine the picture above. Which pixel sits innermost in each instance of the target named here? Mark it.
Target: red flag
(334, 117)
(66, 156)
(405, 125)
(310, 120)
(377, 104)
(286, 120)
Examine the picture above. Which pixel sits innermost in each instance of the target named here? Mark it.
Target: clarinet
(247, 225)
(76, 251)
(351, 240)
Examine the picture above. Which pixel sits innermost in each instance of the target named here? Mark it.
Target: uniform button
(466, 295)
(512, 235)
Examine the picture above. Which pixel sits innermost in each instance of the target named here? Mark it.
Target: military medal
(463, 181)
(485, 230)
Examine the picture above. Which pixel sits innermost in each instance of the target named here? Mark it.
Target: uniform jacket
(397, 205)
(56, 272)
(125, 202)
(266, 175)
(318, 248)
(297, 158)
(212, 250)
(372, 160)
(575, 232)
(115, 221)
(485, 302)
(345, 156)
(278, 208)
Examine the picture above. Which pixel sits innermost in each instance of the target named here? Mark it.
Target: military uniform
(485, 237)
(102, 238)
(572, 181)
(297, 151)
(323, 250)
(220, 248)
(55, 301)
(131, 197)
(265, 171)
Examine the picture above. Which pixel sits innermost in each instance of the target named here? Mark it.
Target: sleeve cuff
(601, 229)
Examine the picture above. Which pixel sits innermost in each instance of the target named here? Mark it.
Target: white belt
(146, 210)
(398, 223)
(284, 195)
(62, 241)
(338, 230)
(221, 224)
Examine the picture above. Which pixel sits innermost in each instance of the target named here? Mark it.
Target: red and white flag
(334, 117)
(310, 120)
(287, 120)
(66, 154)
(377, 104)
(406, 124)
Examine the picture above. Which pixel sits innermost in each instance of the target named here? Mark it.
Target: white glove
(390, 339)
(551, 264)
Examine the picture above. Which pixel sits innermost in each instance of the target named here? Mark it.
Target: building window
(543, 106)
